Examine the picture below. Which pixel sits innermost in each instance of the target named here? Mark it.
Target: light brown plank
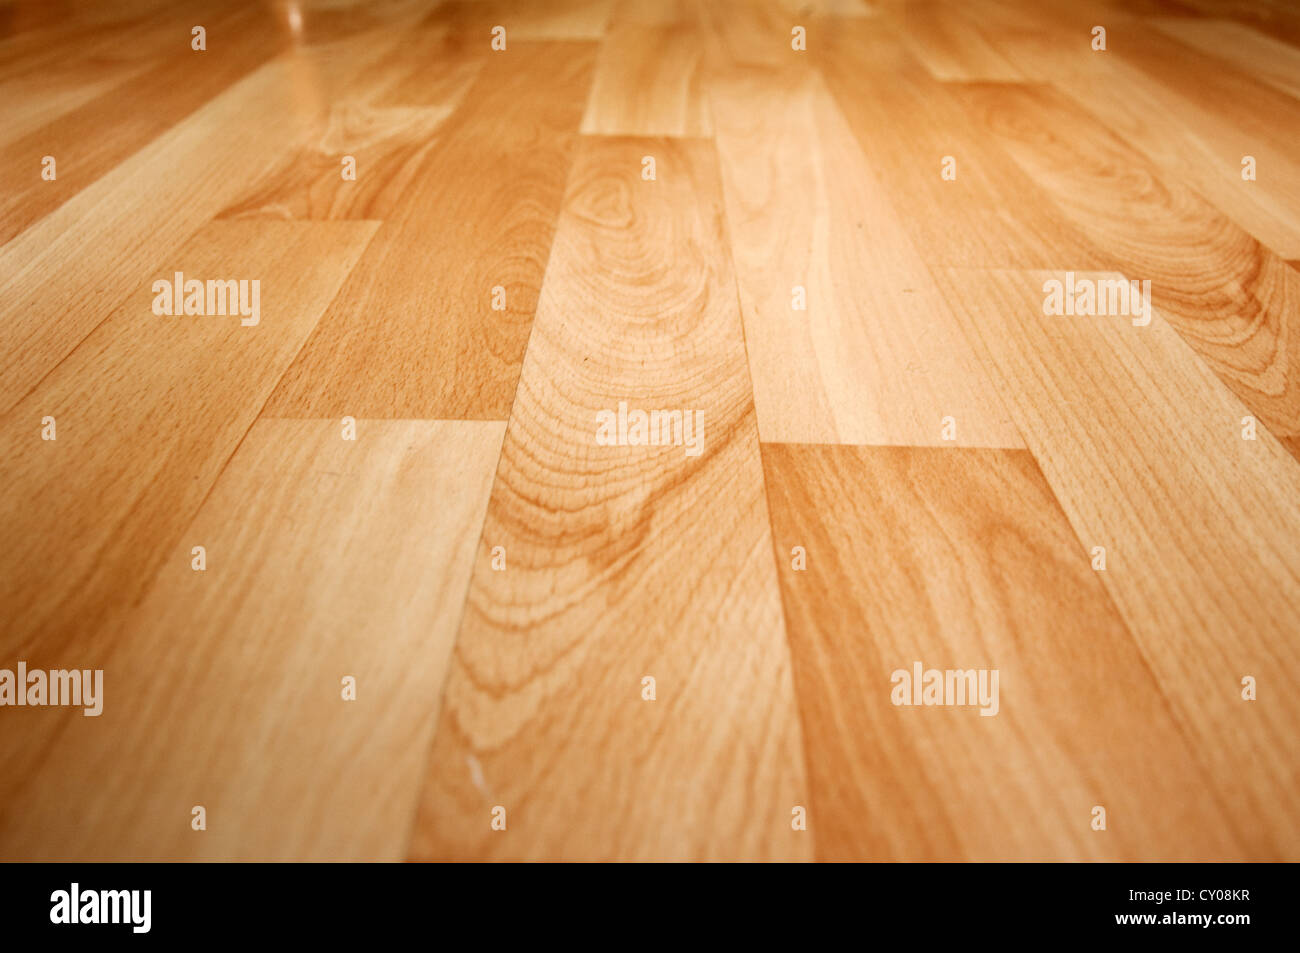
(75, 42)
(648, 82)
(962, 559)
(1235, 116)
(148, 409)
(652, 13)
(625, 562)
(61, 277)
(1142, 445)
(1234, 301)
(876, 357)
(738, 33)
(991, 214)
(535, 20)
(950, 47)
(803, 9)
(33, 101)
(380, 99)
(413, 333)
(672, 294)
(1274, 18)
(1187, 148)
(1145, 88)
(325, 558)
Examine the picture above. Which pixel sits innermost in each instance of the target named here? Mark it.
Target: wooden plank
(624, 562)
(738, 33)
(830, 8)
(98, 137)
(1261, 57)
(34, 43)
(1196, 139)
(1235, 116)
(1143, 447)
(1233, 300)
(148, 409)
(33, 101)
(1274, 18)
(386, 145)
(960, 560)
(381, 100)
(990, 214)
(648, 82)
(950, 47)
(532, 21)
(1159, 124)
(60, 277)
(652, 13)
(1049, 45)
(672, 294)
(876, 357)
(325, 558)
(413, 333)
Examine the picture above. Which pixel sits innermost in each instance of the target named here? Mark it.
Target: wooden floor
(450, 605)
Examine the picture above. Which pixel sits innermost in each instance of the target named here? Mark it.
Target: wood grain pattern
(381, 102)
(951, 48)
(39, 98)
(1238, 116)
(48, 68)
(348, 554)
(839, 263)
(738, 33)
(1201, 530)
(479, 214)
(624, 562)
(148, 409)
(1174, 138)
(964, 560)
(1233, 300)
(539, 20)
(58, 277)
(1140, 93)
(648, 83)
(876, 357)
(850, 9)
(95, 138)
(1260, 56)
(989, 214)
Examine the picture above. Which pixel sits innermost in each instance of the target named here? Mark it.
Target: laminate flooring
(632, 430)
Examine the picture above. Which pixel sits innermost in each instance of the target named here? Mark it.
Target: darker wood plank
(91, 140)
(413, 333)
(962, 559)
